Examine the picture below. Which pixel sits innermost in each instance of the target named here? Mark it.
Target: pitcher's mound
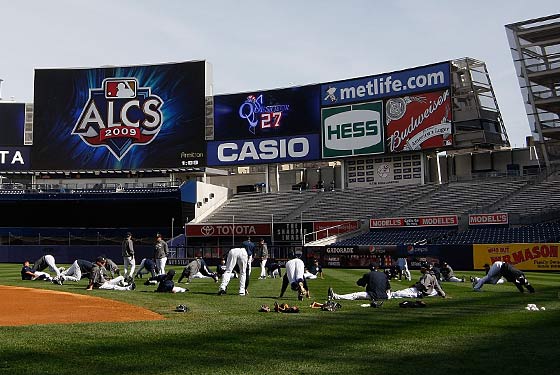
(26, 306)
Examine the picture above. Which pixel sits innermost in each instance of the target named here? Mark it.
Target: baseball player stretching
(498, 269)
(427, 286)
(44, 262)
(239, 256)
(294, 277)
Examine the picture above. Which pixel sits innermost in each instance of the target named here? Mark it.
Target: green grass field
(467, 333)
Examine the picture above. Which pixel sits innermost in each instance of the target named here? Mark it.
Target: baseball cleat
(330, 294)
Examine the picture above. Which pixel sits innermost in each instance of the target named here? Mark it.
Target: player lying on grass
(165, 283)
(98, 281)
(27, 273)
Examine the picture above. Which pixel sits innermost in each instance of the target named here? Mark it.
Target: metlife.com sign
(386, 85)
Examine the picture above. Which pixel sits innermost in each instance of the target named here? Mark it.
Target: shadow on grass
(487, 334)
(470, 333)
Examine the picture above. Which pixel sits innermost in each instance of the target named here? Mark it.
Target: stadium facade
(150, 148)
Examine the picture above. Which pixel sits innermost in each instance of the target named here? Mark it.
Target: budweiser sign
(419, 122)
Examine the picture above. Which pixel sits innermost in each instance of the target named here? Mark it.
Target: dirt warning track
(26, 306)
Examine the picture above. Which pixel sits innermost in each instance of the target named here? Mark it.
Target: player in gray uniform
(160, 254)
(111, 268)
(427, 286)
(195, 266)
(447, 274)
(98, 281)
(262, 254)
(128, 256)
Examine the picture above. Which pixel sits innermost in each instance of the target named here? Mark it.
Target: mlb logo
(120, 88)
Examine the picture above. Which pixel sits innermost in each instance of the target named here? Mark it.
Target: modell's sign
(227, 230)
(488, 219)
(421, 221)
(419, 122)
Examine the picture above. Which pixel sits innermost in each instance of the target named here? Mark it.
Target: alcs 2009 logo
(120, 115)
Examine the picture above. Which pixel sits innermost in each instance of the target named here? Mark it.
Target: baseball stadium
(408, 167)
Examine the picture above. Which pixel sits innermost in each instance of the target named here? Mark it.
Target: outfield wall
(526, 257)
(68, 254)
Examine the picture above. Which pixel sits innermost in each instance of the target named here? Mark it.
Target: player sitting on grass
(427, 286)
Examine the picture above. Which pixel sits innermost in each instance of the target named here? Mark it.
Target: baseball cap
(100, 259)
(158, 234)
(128, 234)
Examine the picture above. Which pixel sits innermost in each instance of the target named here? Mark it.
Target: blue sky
(266, 44)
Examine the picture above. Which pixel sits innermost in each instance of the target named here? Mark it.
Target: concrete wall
(464, 166)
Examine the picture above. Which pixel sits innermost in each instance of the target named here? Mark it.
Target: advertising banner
(358, 256)
(129, 117)
(227, 230)
(524, 256)
(267, 114)
(401, 83)
(291, 232)
(488, 219)
(12, 123)
(15, 158)
(419, 122)
(421, 221)
(304, 147)
(351, 130)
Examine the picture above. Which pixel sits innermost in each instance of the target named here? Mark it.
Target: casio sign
(267, 149)
(353, 129)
